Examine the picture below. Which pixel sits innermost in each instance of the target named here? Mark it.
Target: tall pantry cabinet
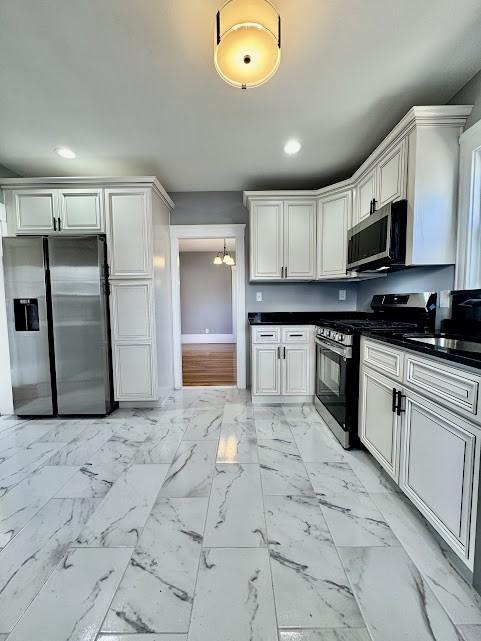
(134, 214)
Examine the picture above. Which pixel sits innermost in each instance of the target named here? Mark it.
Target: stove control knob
(337, 336)
(341, 338)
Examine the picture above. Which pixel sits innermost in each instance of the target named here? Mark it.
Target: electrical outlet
(259, 297)
(207, 330)
(342, 294)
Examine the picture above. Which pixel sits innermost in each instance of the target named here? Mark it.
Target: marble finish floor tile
(271, 423)
(456, 595)
(282, 469)
(161, 445)
(369, 472)
(97, 475)
(121, 515)
(140, 637)
(351, 514)
(191, 471)
(310, 585)
(237, 444)
(238, 412)
(82, 448)
(233, 597)
(23, 463)
(204, 424)
(394, 598)
(23, 502)
(236, 513)
(470, 632)
(16, 439)
(157, 591)
(30, 557)
(314, 443)
(61, 431)
(72, 603)
(338, 634)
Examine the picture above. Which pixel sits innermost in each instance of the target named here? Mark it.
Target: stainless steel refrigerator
(58, 325)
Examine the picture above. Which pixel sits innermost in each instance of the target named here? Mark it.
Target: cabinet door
(438, 468)
(391, 175)
(134, 374)
(35, 210)
(81, 211)
(267, 238)
(295, 370)
(378, 424)
(131, 311)
(130, 231)
(365, 192)
(266, 370)
(332, 224)
(300, 240)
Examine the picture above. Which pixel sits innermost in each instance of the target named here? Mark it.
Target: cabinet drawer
(295, 334)
(449, 385)
(266, 334)
(383, 358)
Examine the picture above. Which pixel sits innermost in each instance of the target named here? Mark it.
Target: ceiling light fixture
(225, 259)
(292, 147)
(247, 49)
(218, 260)
(65, 152)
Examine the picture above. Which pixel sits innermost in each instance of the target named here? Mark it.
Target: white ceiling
(130, 85)
(205, 244)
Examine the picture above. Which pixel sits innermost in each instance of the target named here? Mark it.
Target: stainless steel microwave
(380, 240)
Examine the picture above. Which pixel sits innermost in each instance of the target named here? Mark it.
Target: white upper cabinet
(81, 211)
(300, 240)
(283, 240)
(267, 240)
(333, 215)
(130, 233)
(391, 175)
(50, 211)
(365, 194)
(35, 210)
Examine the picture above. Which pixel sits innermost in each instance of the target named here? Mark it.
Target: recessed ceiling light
(65, 152)
(292, 147)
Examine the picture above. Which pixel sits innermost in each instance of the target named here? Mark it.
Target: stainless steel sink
(457, 344)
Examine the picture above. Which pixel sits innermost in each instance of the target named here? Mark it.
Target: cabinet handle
(59, 224)
(284, 353)
(285, 271)
(54, 224)
(399, 408)
(278, 352)
(394, 396)
(266, 335)
(374, 201)
(296, 335)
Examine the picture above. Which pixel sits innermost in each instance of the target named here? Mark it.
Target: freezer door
(80, 324)
(28, 332)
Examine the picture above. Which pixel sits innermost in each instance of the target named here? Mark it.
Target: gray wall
(205, 294)
(225, 207)
(417, 279)
(470, 94)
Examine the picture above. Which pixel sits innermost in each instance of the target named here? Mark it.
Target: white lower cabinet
(430, 450)
(266, 370)
(282, 363)
(134, 372)
(379, 424)
(438, 467)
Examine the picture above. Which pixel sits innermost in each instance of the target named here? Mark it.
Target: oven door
(331, 376)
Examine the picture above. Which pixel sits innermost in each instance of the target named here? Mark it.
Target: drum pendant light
(247, 49)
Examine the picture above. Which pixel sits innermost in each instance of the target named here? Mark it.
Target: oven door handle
(345, 352)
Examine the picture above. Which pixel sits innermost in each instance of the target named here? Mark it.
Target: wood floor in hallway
(209, 364)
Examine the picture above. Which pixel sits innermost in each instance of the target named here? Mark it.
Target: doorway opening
(208, 291)
(207, 311)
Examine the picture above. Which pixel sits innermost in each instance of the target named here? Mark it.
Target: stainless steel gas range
(337, 355)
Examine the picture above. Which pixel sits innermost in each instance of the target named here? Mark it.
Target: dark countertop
(298, 318)
(469, 359)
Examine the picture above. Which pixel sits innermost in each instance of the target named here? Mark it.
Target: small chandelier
(247, 42)
(225, 259)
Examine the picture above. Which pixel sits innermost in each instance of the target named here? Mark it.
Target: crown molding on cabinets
(104, 181)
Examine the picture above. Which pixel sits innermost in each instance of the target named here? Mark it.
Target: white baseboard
(208, 338)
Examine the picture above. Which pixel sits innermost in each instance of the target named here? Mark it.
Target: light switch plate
(259, 297)
(342, 294)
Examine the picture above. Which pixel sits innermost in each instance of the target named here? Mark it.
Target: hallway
(208, 520)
